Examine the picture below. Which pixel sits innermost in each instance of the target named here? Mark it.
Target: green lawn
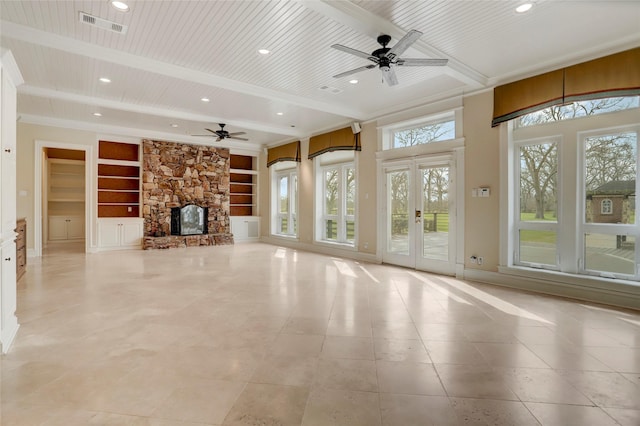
(531, 216)
(547, 237)
(442, 221)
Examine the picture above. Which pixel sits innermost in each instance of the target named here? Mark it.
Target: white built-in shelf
(66, 186)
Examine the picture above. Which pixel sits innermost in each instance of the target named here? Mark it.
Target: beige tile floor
(254, 334)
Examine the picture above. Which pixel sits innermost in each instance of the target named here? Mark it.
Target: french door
(419, 214)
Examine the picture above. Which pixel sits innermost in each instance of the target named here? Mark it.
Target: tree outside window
(286, 186)
(597, 232)
(433, 132)
(578, 109)
(339, 188)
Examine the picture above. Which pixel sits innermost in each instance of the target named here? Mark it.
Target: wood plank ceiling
(174, 53)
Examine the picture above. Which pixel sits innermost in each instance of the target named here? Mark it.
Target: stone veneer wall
(177, 174)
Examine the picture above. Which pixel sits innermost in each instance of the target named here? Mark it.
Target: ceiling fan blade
(346, 73)
(212, 131)
(203, 135)
(219, 139)
(389, 76)
(404, 43)
(237, 134)
(355, 52)
(236, 138)
(422, 62)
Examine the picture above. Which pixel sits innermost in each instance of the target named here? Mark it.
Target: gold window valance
(613, 75)
(287, 152)
(343, 139)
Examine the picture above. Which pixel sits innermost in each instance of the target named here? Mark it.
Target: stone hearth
(180, 241)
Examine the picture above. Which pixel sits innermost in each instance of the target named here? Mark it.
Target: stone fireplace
(185, 180)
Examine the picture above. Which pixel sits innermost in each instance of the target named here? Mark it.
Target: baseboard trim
(620, 295)
(322, 249)
(104, 249)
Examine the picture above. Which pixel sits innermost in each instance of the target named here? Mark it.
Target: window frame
(536, 225)
(448, 117)
(571, 198)
(518, 122)
(290, 171)
(617, 229)
(342, 165)
(449, 114)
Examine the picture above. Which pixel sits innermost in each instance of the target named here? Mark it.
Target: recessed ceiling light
(332, 90)
(525, 7)
(97, 114)
(279, 113)
(120, 5)
(205, 99)
(264, 51)
(105, 80)
(354, 81)
(174, 125)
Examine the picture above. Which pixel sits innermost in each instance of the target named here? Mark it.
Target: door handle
(418, 216)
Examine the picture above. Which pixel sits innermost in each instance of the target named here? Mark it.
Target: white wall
(28, 134)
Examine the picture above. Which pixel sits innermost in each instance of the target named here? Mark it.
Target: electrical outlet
(366, 245)
(480, 260)
(474, 259)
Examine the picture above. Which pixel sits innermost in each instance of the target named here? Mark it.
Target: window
(537, 223)
(336, 202)
(435, 128)
(578, 109)
(284, 199)
(609, 179)
(573, 197)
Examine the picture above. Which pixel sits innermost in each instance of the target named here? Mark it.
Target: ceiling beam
(110, 129)
(161, 112)
(77, 47)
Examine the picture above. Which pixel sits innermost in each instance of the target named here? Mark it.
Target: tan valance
(613, 75)
(521, 97)
(338, 140)
(287, 152)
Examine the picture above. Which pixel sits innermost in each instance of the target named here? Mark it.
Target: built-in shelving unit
(118, 179)
(66, 187)
(243, 185)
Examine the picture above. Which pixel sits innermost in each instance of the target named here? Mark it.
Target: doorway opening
(62, 195)
(420, 228)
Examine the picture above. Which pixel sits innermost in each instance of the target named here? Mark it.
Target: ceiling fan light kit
(387, 58)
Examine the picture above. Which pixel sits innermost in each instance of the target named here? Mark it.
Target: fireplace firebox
(189, 220)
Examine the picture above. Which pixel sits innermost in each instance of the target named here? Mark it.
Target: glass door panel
(398, 207)
(435, 213)
(399, 227)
